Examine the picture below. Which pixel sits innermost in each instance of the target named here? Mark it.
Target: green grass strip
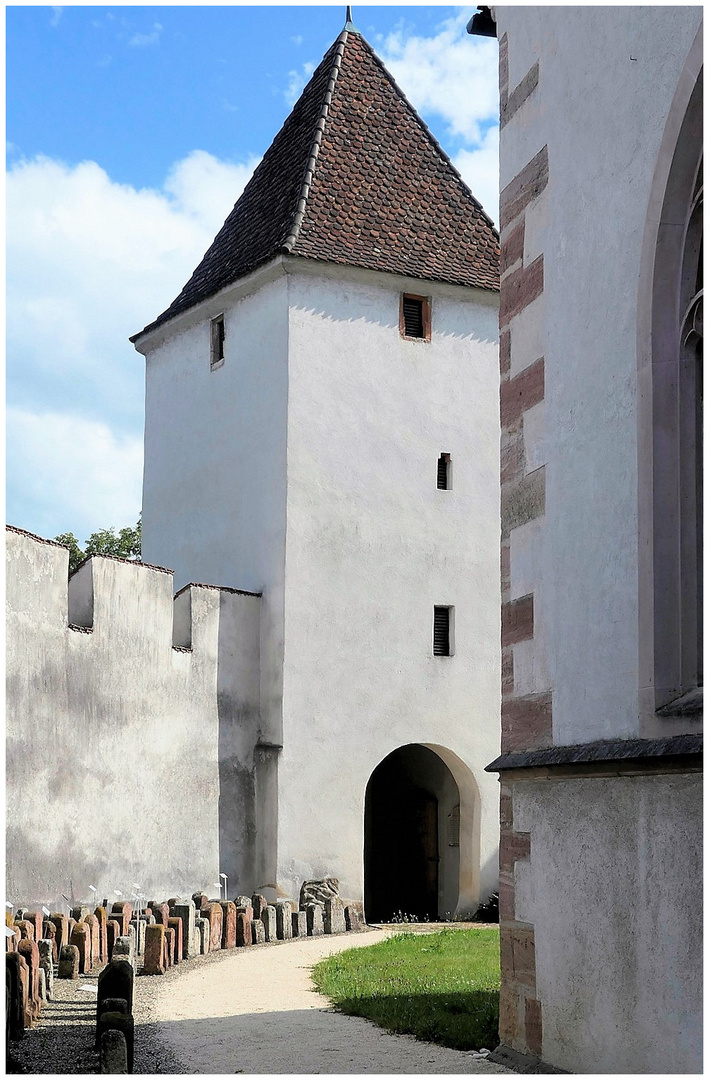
(442, 987)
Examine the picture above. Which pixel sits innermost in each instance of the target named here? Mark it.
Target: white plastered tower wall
(321, 398)
(371, 546)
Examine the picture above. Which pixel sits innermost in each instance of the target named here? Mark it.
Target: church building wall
(600, 843)
(119, 742)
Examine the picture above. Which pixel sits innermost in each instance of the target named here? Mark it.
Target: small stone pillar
(153, 962)
(69, 962)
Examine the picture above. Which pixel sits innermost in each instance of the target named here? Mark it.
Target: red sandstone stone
(518, 620)
(81, 937)
(213, 912)
(170, 936)
(533, 1025)
(153, 962)
(37, 919)
(122, 911)
(102, 917)
(61, 922)
(527, 722)
(228, 924)
(513, 846)
(520, 288)
(113, 932)
(29, 951)
(26, 929)
(521, 393)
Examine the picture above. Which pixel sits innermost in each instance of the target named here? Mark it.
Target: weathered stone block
(268, 918)
(61, 923)
(161, 913)
(113, 1052)
(353, 918)
(284, 926)
(17, 983)
(30, 953)
(170, 945)
(26, 929)
(69, 962)
(258, 903)
(46, 962)
(334, 919)
(122, 911)
(95, 937)
(42, 984)
(78, 912)
(243, 901)
(203, 932)
(49, 933)
(228, 924)
(200, 900)
(299, 923)
(102, 917)
(113, 932)
(247, 910)
(81, 938)
(185, 911)
(124, 949)
(243, 929)
(314, 915)
(317, 892)
(138, 928)
(36, 918)
(115, 981)
(213, 912)
(176, 925)
(153, 961)
(258, 932)
(116, 1021)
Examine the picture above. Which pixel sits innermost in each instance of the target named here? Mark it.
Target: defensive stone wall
(132, 723)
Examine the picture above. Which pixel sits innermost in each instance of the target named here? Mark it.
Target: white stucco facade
(313, 451)
(600, 868)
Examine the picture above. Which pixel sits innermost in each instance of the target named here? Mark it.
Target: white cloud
(90, 261)
(57, 13)
(480, 170)
(296, 83)
(77, 475)
(140, 40)
(450, 74)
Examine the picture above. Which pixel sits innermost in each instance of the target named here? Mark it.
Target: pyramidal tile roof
(354, 177)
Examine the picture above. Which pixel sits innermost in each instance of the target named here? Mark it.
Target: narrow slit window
(217, 345)
(415, 317)
(443, 478)
(441, 631)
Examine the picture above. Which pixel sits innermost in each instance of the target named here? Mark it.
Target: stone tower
(322, 429)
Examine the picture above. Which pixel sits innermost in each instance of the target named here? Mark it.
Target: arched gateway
(421, 836)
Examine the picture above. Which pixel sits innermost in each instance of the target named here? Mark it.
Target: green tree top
(125, 544)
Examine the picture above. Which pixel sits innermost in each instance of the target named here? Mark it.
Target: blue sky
(131, 131)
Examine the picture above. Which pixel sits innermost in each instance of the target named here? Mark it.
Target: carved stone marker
(185, 910)
(78, 913)
(169, 946)
(268, 918)
(29, 951)
(317, 892)
(153, 962)
(213, 912)
(81, 937)
(314, 915)
(243, 901)
(203, 932)
(284, 925)
(228, 924)
(116, 1021)
(258, 932)
(95, 937)
(200, 900)
(243, 929)
(36, 918)
(46, 963)
(334, 920)
(102, 917)
(26, 929)
(115, 981)
(113, 932)
(61, 923)
(175, 924)
(49, 933)
(299, 922)
(114, 1052)
(258, 903)
(353, 918)
(124, 949)
(17, 995)
(69, 962)
(122, 911)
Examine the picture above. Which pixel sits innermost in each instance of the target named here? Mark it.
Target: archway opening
(411, 838)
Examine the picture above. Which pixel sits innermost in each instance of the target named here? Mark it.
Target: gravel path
(246, 1010)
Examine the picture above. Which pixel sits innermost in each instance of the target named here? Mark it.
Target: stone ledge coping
(605, 750)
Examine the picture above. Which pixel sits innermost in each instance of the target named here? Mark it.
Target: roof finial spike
(349, 25)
